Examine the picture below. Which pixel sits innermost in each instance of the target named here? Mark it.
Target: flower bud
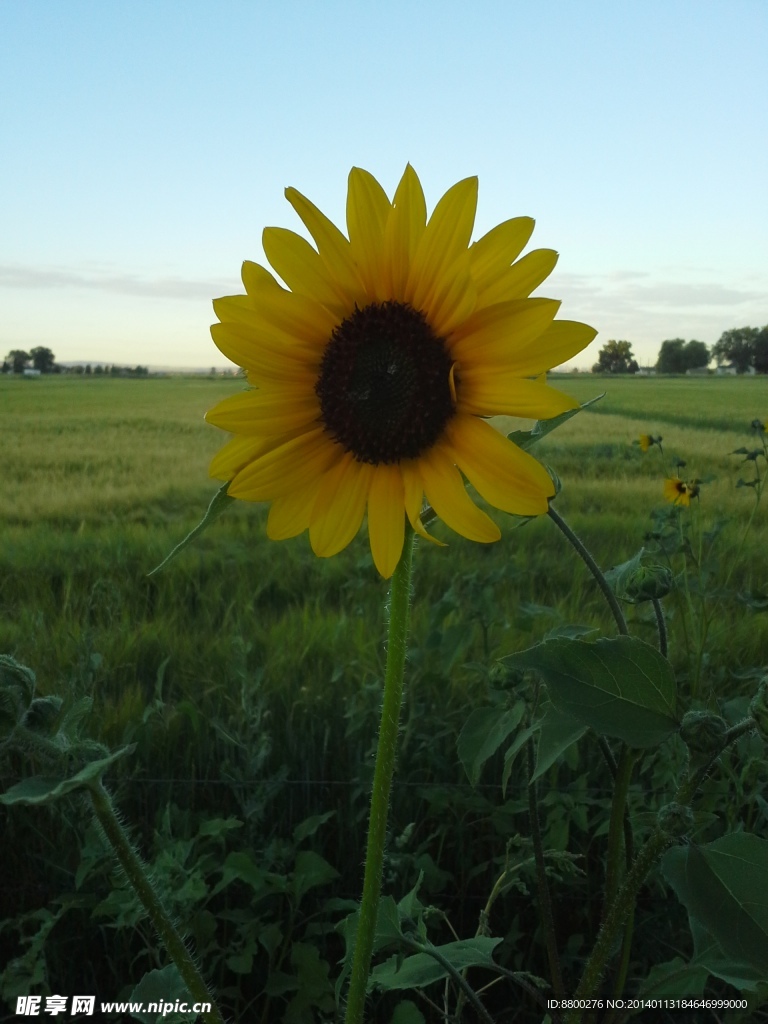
(648, 582)
(703, 732)
(676, 820)
(42, 714)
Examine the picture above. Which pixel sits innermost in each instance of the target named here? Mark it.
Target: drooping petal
(339, 506)
(237, 453)
(290, 513)
(299, 317)
(445, 237)
(238, 309)
(266, 413)
(367, 212)
(447, 495)
(490, 392)
(506, 476)
(386, 518)
(404, 229)
(291, 466)
(414, 499)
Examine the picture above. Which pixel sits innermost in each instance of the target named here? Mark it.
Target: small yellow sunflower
(677, 492)
(645, 441)
(374, 371)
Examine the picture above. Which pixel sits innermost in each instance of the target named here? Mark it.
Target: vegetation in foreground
(247, 678)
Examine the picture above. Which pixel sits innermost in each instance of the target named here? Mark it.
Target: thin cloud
(17, 276)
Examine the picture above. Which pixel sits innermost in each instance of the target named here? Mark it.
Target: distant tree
(43, 359)
(737, 346)
(88, 369)
(760, 362)
(616, 357)
(98, 370)
(18, 359)
(6, 366)
(672, 356)
(677, 356)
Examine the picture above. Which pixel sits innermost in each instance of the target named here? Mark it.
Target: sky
(144, 146)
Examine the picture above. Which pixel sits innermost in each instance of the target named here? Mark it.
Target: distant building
(645, 371)
(29, 372)
(729, 370)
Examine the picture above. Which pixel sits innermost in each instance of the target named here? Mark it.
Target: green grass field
(249, 660)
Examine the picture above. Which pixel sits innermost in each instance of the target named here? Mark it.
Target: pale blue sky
(146, 144)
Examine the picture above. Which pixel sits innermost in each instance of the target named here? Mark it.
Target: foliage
(677, 356)
(744, 347)
(18, 358)
(251, 767)
(616, 357)
(43, 359)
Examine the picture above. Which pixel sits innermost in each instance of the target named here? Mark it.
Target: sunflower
(645, 441)
(374, 372)
(677, 492)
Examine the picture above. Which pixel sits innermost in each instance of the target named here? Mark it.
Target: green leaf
(408, 1012)
(311, 870)
(526, 438)
(619, 575)
(41, 789)
(675, 978)
(421, 969)
(709, 955)
(220, 502)
(557, 732)
(309, 826)
(483, 733)
(618, 686)
(724, 886)
(162, 987)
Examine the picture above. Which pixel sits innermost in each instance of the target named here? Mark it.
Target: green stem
(137, 876)
(616, 827)
(593, 567)
(399, 608)
(661, 626)
(542, 883)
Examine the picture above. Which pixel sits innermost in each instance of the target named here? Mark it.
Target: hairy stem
(545, 899)
(593, 567)
(137, 876)
(400, 596)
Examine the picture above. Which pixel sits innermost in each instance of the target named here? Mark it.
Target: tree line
(40, 358)
(744, 348)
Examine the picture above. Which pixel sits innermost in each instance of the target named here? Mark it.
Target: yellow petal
(291, 466)
(446, 235)
(404, 229)
(489, 392)
(258, 280)
(453, 301)
(498, 333)
(492, 254)
(279, 324)
(447, 495)
(414, 499)
(386, 518)
(266, 413)
(302, 269)
(367, 211)
(289, 515)
(562, 340)
(265, 355)
(339, 507)
(506, 476)
(334, 248)
(521, 278)
(237, 453)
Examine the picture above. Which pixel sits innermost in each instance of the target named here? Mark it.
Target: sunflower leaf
(618, 686)
(526, 438)
(219, 503)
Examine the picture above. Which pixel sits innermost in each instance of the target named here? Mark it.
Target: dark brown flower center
(384, 384)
